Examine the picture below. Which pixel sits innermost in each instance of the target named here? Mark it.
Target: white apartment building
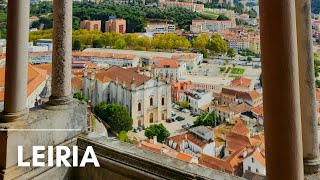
(187, 5)
(254, 162)
(200, 26)
(170, 69)
(147, 100)
(197, 98)
(45, 42)
(160, 28)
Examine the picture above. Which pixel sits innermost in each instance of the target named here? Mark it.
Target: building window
(151, 118)
(162, 101)
(249, 168)
(139, 106)
(257, 170)
(151, 101)
(163, 116)
(252, 160)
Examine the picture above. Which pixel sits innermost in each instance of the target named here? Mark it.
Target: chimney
(154, 139)
(244, 153)
(85, 72)
(92, 76)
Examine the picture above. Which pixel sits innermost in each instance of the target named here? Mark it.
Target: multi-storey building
(90, 25)
(170, 69)
(186, 5)
(160, 28)
(116, 25)
(199, 26)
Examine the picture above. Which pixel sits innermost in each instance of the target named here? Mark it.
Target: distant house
(197, 140)
(254, 162)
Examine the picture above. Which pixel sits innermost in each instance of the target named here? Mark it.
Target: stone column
(62, 49)
(15, 100)
(307, 88)
(281, 94)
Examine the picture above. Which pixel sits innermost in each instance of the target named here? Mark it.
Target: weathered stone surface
(39, 118)
(127, 161)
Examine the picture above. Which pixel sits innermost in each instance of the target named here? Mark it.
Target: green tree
(123, 136)
(316, 64)
(77, 45)
(97, 44)
(206, 120)
(231, 53)
(249, 59)
(217, 44)
(80, 97)
(157, 130)
(252, 13)
(120, 44)
(222, 17)
(184, 104)
(201, 42)
(116, 116)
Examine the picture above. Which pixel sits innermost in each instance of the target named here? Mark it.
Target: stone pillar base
(58, 103)
(6, 117)
(311, 166)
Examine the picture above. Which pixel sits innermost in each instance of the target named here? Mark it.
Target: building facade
(147, 100)
(116, 25)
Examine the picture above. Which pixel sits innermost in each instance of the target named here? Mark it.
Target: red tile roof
(36, 76)
(241, 82)
(240, 128)
(168, 64)
(77, 83)
(122, 75)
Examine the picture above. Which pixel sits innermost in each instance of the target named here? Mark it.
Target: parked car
(193, 114)
(170, 120)
(185, 110)
(136, 130)
(173, 114)
(176, 107)
(180, 118)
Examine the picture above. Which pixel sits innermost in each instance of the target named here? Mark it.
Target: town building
(108, 59)
(160, 28)
(198, 140)
(37, 79)
(171, 69)
(179, 88)
(201, 26)
(116, 25)
(254, 162)
(196, 98)
(149, 57)
(186, 5)
(45, 42)
(147, 100)
(90, 25)
(242, 84)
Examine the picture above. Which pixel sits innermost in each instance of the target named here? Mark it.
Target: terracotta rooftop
(35, 77)
(168, 64)
(241, 129)
(241, 82)
(77, 83)
(252, 95)
(103, 55)
(258, 110)
(215, 163)
(46, 67)
(122, 75)
(185, 157)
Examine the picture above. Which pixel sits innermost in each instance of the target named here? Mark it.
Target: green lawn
(237, 71)
(222, 69)
(229, 68)
(233, 76)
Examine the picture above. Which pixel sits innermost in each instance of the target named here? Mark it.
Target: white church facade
(147, 100)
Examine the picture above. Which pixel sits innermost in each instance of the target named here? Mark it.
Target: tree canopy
(116, 116)
(157, 130)
(201, 42)
(231, 53)
(217, 44)
(206, 120)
